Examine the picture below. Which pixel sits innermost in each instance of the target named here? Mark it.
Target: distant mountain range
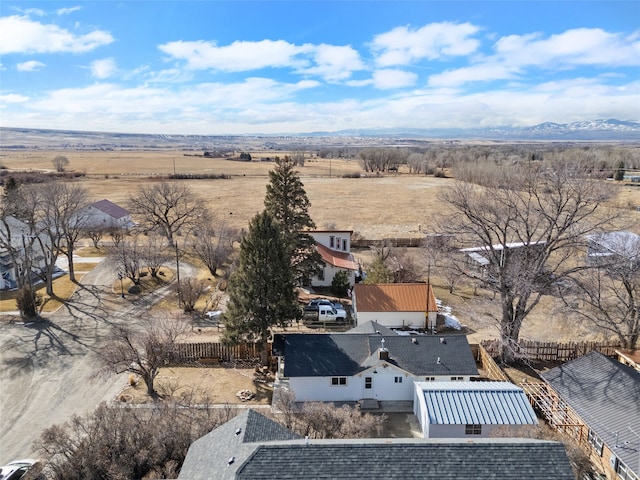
(609, 130)
(596, 130)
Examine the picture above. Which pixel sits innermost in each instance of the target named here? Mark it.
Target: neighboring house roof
(394, 297)
(208, 456)
(606, 395)
(500, 246)
(481, 403)
(343, 354)
(337, 259)
(109, 208)
(222, 454)
(622, 243)
(372, 327)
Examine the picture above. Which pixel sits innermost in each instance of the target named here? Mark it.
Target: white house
(106, 214)
(18, 242)
(351, 367)
(334, 246)
(395, 305)
(470, 409)
(613, 246)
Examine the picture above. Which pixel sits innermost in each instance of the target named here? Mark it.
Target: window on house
(397, 379)
(457, 379)
(473, 429)
(429, 379)
(368, 382)
(338, 243)
(596, 443)
(344, 245)
(321, 274)
(338, 381)
(332, 241)
(624, 472)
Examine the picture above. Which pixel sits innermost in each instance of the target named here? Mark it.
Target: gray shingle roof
(482, 460)
(341, 354)
(606, 395)
(208, 457)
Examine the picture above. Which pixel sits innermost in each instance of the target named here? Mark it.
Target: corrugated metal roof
(481, 403)
(394, 297)
(337, 259)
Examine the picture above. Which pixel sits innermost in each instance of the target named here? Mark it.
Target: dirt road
(48, 369)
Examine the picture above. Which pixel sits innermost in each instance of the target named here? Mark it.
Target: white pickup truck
(319, 312)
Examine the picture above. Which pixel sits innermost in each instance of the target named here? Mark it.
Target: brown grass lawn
(215, 385)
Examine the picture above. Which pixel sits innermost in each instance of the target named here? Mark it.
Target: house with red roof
(106, 214)
(395, 305)
(334, 246)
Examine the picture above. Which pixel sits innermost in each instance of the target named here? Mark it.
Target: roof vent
(438, 361)
(231, 460)
(238, 431)
(414, 340)
(443, 340)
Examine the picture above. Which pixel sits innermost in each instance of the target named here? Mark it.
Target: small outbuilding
(395, 305)
(470, 409)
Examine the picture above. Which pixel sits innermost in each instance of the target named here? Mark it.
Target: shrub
(28, 302)
(340, 283)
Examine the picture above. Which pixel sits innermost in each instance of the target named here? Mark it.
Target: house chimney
(383, 352)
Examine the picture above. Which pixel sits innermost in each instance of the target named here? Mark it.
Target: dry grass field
(395, 205)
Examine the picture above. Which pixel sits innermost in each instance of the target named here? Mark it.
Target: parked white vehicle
(27, 469)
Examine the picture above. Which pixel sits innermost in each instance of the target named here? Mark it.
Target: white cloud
(334, 63)
(67, 11)
(237, 57)
(13, 98)
(30, 66)
(391, 78)
(581, 46)
(104, 68)
(19, 34)
(403, 45)
(477, 73)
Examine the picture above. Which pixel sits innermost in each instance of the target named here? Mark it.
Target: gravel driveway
(48, 369)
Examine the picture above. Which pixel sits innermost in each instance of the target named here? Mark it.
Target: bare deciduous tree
(60, 162)
(189, 291)
(154, 253)
(214, 246)
(168, 208)
(127, 258)
(122, 443)
(608, 295)
(143, 352)
(547, 210)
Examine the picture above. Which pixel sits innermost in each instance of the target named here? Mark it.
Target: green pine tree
(378, 272)
(262, 290)
(287, 201)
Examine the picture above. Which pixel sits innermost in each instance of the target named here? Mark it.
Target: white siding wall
(324, 238)
(457, 431)
(329, 273)
(319, 389)
(393, 319)
(97, 218)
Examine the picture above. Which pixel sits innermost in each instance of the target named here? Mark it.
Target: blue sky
(244, 67)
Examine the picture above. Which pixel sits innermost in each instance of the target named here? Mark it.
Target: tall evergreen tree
(262, 289)
(287, 202)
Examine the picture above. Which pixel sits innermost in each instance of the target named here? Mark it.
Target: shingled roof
(346, 354)
(226, 454)
(606, 395)
(109, 208)
(209, 456)
(393, 297)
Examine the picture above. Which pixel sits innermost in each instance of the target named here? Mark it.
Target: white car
(21, 470)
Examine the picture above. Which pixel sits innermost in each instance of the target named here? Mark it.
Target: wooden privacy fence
(393, 242)
(553, 351)
(214, 353)
(490, 367)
